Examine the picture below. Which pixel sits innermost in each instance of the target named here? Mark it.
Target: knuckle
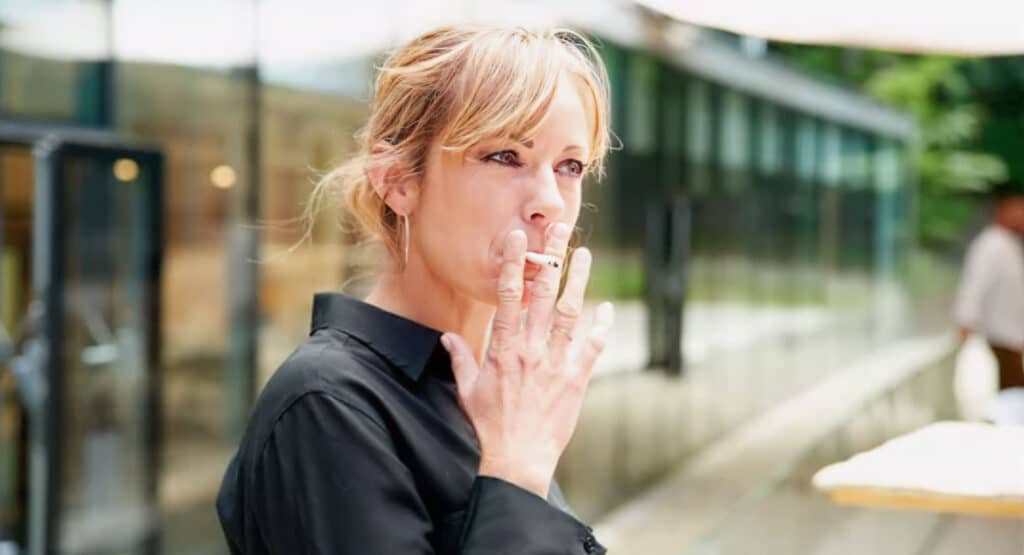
(533, 355)
(580, 382)
(568, 310)
(545, 288)
(494, 358)
(498, 353)
(510, 290)
(502, 326)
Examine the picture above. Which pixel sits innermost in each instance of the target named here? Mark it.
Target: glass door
(87, 367)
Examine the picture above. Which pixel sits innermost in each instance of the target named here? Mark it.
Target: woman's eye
(572, 168)
(506, 157)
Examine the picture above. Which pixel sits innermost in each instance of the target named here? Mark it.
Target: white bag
(1007, 409)
(976, 382)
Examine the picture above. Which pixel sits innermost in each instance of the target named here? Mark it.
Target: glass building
(154, 162)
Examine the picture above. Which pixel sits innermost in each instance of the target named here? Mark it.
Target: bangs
(505, 87)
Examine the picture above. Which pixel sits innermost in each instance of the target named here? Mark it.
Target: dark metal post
(667, 252)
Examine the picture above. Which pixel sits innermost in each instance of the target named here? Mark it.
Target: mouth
(532, 268)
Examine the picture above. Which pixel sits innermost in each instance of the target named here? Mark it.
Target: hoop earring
(405, 242)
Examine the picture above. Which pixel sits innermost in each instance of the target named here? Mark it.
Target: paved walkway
(680, 514)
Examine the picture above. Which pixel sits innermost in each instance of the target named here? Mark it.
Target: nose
(545, 204)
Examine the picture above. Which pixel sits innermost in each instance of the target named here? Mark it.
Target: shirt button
(589, 544)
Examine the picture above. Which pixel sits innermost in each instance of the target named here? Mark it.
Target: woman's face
(470, 201)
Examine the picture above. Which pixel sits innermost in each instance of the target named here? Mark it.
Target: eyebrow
(529, 144)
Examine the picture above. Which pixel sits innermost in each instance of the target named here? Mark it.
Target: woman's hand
(525, 399)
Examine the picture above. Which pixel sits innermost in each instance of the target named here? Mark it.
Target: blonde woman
(429, 417)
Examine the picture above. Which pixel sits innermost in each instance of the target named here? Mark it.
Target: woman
(383, 435)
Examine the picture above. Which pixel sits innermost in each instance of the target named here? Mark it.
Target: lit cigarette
(544, 259)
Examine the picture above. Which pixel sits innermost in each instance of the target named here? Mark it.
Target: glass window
(35, 87)
(49, 59)
(672, 129)
(698, 135)
(856, 159)
(770, 143)
(672, 116)
(806, 155)
(698, 121)
(831, 165)
(641, 129)
(887, 166)
(735, 140)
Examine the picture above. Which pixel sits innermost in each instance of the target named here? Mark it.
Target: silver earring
(405, 243)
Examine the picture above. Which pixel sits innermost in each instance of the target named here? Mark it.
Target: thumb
(463, 364)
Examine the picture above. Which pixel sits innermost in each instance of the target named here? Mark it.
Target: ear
(389, 180)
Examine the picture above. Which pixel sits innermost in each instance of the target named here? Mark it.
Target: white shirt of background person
(990, 300)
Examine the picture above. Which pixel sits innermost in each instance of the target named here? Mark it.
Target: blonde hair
(460, 85)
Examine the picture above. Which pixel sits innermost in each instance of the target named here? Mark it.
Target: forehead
(568, 112)
(566, 121)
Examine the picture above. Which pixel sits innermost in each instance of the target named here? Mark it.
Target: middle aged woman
(430, 417)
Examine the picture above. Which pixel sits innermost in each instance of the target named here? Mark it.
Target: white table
(948, 467)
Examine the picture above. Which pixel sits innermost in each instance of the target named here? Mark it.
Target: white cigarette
(544, 259)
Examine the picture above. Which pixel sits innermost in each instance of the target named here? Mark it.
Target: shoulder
(989, 241)
(328, 368)
(1000, 242)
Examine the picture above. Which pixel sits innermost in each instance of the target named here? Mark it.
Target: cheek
(461, 243)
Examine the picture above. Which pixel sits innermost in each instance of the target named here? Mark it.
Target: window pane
(735, 141)
(770, 144)
(641, 127)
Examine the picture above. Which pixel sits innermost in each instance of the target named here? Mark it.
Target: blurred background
(781, 230)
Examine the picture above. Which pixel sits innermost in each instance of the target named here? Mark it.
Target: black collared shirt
(357, 445)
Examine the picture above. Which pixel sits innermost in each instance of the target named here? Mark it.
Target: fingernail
(581, 255)
(447, 342)
(515, 245)
(560, 231)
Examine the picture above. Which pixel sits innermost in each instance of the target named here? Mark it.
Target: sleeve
(974, 284)
(330, 481)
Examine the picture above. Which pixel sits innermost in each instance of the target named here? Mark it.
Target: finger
(569, 306)
(464, 366)
(597, 339)
(545, 286)
(508, 317)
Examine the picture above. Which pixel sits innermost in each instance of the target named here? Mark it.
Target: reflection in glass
(105, 502)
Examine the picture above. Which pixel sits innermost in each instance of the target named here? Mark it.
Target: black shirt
(357, 445)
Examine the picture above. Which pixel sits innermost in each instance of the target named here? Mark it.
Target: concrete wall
(636, 426)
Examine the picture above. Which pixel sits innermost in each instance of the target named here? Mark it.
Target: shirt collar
(407, 345)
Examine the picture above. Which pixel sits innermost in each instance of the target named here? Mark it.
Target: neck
(418, 295)
(1005, 226)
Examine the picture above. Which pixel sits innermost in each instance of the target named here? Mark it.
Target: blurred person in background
(990, 300)
(430, 417)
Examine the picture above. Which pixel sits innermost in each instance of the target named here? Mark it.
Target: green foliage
(615, 276)
(938, 95)
(970, 116)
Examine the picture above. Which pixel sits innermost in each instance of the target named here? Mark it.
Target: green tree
(968, 112)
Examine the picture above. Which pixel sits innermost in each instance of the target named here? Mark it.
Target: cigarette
(544, 259)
